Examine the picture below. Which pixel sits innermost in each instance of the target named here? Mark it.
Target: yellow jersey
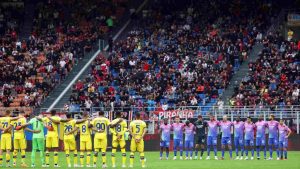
(5, 123)
(19, 134)
(48, 122)
(119, 129)
(84, 129)
(68, 127)
(137, 128)
(101, 123)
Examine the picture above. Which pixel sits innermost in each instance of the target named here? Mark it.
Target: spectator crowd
(274, 78)
(62, 32)
(176, 55)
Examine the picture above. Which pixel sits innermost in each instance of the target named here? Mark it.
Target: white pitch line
(91, 60)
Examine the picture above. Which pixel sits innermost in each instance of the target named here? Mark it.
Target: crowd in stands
(274, 78)
(11, 19)
(176, 55)
(63, 31)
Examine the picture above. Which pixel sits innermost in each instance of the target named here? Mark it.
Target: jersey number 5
(138, 128)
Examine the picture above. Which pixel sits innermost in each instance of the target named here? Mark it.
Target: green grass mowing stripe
(153, 162)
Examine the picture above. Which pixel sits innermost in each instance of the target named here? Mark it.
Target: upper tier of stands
(176, 55)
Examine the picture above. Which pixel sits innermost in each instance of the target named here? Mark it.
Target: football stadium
(181, 84)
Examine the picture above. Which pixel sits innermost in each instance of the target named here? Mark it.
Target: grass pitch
(153, 162)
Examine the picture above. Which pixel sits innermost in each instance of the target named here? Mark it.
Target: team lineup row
(245, 133)
(83, 127)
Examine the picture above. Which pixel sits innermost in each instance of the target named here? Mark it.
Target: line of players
(83, 127)
(206, 132)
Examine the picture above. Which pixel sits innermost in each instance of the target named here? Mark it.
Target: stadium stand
(274, 77)
(180, 57)
(30, 69)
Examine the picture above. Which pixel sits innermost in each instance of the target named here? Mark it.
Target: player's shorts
(20, 144)
(188, 143)
(116, 143)
(211, 140)
(178, 143)
(283, 143)
(260, 141)
(70, 144)
(226, 141)
(85, 143)
(38, 144)
(51, 142)
(100, 143)
(137, 146)
(164, 144)
(200, 140)
(273, 141)
(6, 142)
(239, 141)
(249, 142)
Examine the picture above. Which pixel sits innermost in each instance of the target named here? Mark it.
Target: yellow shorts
(100, 144)
(6, 142)
(137, 146)
(85, 143)
(51, 142)
(20, 144)
(116, 143)
(70, 144)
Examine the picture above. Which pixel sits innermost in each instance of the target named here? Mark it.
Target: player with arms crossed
(284, 133)
(201, 127)
(226, 136)
(239, 127)
(261, 126)
(212, 136)
(273, 136)
(137, 129)
(100, 125)
(6, 128)
(249, 137)
(118, 129)
(177, 129)
(85, 140)
(164, 132)
(189, 131)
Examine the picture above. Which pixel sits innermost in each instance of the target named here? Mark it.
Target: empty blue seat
(220, 91)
